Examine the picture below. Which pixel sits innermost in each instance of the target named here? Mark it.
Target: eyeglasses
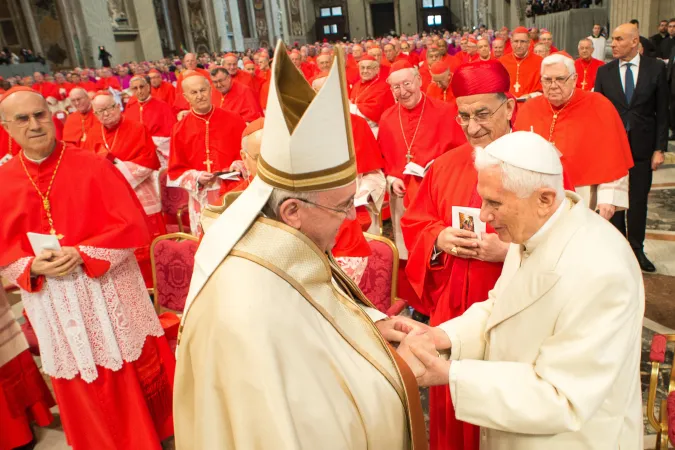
(22, 120)
(546, 81)
(481, 118)
(344, 211)
(104, 111)
(407, 85)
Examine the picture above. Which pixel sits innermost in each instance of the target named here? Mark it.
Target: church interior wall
(148, 32)
(408, 16)
(357, 18)
(128, 49)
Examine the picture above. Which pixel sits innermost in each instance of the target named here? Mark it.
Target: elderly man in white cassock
(278, 349)
(551, 359)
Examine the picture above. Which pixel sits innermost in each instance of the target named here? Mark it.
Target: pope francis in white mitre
(278, 348)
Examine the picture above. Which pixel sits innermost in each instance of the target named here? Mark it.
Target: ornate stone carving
(198, 26)
(118, 13)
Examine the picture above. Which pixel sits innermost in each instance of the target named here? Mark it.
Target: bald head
(25, 116)
(625, 42)
(190, 61)
(80, 100)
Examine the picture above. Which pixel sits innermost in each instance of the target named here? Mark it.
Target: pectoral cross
(408, 156)
(84, 137)
(583, 84)
(516, 87)
(208, 162)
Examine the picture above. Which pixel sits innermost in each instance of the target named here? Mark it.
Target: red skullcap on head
(230, 55)
(483, 77)
(433, 47)
(400, 65)
(151, 71)
(137, 77)
(14, 89)
(254, 126)
(249, 63)
(439, 68)
(520, 30)
(367, 58)
(102, 94)
(473, 40)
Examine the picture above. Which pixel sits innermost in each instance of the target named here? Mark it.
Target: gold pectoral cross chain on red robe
(207, 121)
(409, 156)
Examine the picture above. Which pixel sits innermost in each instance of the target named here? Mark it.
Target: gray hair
(557, 58)
(278, 196)
(589, 40)
(244, 140)
(521, 182)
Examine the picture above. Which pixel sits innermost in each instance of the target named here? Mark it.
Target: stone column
(169, 27)
(94, 28)
(70, 31)
(236, 25)
(148, 32)
(222, 13)
(270, 24)
(187, 27)
(32, 28)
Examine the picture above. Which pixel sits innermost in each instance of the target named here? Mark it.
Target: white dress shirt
(635, 68)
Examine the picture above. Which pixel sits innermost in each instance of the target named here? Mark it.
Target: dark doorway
(383, 18)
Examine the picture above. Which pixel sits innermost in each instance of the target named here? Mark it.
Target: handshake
(421, 346)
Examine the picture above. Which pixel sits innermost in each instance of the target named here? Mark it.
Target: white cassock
(273, 355)
(552, 359)
(598, 47)
(613, 193)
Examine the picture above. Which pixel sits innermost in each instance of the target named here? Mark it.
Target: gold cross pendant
(408, 156)
(516, 87)
(208, 163)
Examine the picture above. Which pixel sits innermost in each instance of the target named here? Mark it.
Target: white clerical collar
(36, 161)
(536, 239)
(635, 61)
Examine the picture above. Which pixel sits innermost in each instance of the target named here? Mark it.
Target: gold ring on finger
(454, 250)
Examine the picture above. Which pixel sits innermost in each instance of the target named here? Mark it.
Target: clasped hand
(419, 346)
(53, 263)
(466, 245)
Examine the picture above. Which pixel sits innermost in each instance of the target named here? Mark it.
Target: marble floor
(659, 287)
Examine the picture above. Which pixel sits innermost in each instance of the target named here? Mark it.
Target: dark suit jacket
(648, 47)
(647, 113)
(671, 73)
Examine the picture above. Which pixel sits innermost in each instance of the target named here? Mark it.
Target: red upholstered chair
(172, 257)
(174, 205)
(379, 281)
(665, 425)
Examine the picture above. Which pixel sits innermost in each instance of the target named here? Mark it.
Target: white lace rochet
(84, 322)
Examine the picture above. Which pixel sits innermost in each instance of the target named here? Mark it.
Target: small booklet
(468, 219)
(41, 242)
(228, 175)
(416, 170)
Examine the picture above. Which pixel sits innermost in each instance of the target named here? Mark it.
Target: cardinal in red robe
(155, 114)
(108, 81)
(523, 65)
(87, 85)
(371, 95)
(233, 96)
(80, 122)
(160, 89)
(230, 63)
(206, 141)
(586, 66)
(8, 146)
(45, 88)
(99, 336)
(413, 133)
(440, 88)
(129, 145)
(597, 163)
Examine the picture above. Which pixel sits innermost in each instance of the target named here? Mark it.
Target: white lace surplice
(143, 182)
(84, 322)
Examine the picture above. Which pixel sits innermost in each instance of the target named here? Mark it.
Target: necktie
(629, 83)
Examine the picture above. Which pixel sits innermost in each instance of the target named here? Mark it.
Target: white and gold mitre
(307, 139)
(306, 146)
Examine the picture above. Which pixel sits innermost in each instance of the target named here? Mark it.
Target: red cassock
(425, 75)
(350, 240)
(240, 100)
(246, 79)
(525, 73)
(308, 69)
(165, 92)
(589, 159)
(467, 58)
(64, 89)
(131, 142)
(24, 398)
(264, 88)
(108, 82)
(156, 115)
(128, 408)
(372, 97)
(444, 95)
(188, 143)
(8, 146)
(78, 127)
(438, 132)
(452, 284)
(352, 71)
(586, 72)
(413, 58)
(47, 89)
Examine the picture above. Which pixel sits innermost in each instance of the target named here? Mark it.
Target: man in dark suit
(671, 81)
(637, 86)
(660, 36)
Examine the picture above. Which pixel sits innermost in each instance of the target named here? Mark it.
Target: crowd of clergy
(83, 157)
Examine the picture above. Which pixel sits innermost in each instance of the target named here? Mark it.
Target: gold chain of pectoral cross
(208, 161)
(555, 119)
(45, 197)
(583, 83)
(84, 129)
(409, 155)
